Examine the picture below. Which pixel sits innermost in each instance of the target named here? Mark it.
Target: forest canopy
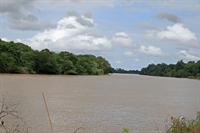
(181, 69)
(20, 58)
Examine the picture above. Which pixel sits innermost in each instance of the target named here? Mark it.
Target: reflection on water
(101, 104)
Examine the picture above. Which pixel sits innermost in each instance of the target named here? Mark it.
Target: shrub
(181, 125)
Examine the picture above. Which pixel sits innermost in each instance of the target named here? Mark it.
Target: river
(101, 104)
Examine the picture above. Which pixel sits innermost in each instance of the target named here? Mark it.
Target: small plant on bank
(10, 121)
(181, 125)
(125, 130)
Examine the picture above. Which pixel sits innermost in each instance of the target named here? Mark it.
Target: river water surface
(101, 104)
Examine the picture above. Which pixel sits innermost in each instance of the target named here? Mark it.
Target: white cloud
(118, 62)
(128, 53)
(5, 39)
(123, 39)
(188, 56)
(78, 2)
(18, 13)
(150, 50)
(71, 33)
(85, 42)
(15, 40)
(176, 32)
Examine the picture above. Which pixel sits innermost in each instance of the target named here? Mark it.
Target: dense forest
(190, 69)
(20, 58)
(120, 70)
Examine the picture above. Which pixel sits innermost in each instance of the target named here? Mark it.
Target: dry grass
(181, 125)
(10, 121)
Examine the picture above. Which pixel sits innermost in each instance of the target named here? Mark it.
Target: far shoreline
(103, 75)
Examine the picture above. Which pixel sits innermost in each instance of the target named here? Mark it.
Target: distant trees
(190, 69)
(120, 70)
(20, 58)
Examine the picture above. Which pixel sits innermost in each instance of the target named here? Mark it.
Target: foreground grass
(181, 125)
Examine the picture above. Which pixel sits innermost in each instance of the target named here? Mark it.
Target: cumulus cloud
(80, 2)
(5, 39)
(169, 17)
(150, 50)
(188, 56)
(19, 15)
(176, 32)
(28, 22)
(71, 33)
(15, 40)
(14, 6)
(123, 39)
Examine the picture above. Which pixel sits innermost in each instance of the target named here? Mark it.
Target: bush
(181, 125)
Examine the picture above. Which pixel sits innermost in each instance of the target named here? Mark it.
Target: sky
(130, 34)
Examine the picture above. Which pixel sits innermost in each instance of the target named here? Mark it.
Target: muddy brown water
(101, 104)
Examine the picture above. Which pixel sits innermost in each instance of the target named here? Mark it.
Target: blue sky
(129, 33)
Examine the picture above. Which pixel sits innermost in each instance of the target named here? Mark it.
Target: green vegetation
(120, 70)
(20, 58)
(190, 69)
(125, 130)
(181, 125)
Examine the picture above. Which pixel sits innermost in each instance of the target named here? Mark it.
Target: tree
(66, 61)
(45, 62)
(7, 63)
(20, 58)
(180, 69)
(68, 68)
(104, 64)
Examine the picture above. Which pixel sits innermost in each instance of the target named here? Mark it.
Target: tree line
(181, 69)
(20, 58)
(190, 69)
(120, 70)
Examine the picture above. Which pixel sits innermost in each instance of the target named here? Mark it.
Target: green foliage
(180, 69)
(89, 64)
(120, 70)
(125, 130)
(181, 125)
(45, 62)
(7, 63)
(20, 58)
